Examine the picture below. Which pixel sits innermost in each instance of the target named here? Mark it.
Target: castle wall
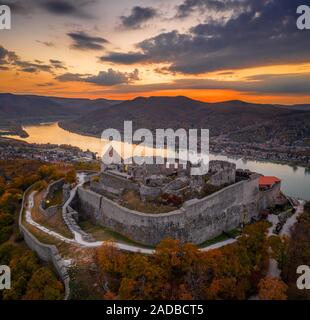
(113, 184)
(117, 181)
(223, 173)
(196, 222)
(48, 253)
(271, 197)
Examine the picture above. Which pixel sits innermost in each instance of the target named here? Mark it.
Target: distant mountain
(30, 107)
(178, 112)
(237, 120)
(300, 107)
(293, 129)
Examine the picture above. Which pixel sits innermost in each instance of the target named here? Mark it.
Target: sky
(210, 50)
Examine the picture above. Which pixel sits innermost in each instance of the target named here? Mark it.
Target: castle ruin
(146, 203)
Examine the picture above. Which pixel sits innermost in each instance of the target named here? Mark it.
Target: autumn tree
(70, 176)
(15, 177)
(43, 285)
(297, 254)
(272, 289)
(279, 246)
(182, 271)
(141, 279)
(111, 263)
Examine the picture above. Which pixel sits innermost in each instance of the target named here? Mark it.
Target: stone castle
(165, 201)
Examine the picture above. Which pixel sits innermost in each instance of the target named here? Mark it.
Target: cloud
(10, 60)
(260, 33)
(32, 67)
(123, 58)
(57, 64)
(84, 41)
(6, 57)
(137, 17)
(272, 84)
(61, 7)
(47, 84)
(72, 77)
(104, 78)
(75, 8)
(46, 43)
(189, 6)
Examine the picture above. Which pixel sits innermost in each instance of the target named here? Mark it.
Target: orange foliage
(181, 271)
(272, 289)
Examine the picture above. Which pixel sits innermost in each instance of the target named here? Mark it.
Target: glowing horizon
(110, 49)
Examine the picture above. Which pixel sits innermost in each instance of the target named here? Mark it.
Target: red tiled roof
(268, 181)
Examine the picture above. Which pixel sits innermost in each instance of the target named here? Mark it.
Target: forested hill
(30, 107)
(182, 112)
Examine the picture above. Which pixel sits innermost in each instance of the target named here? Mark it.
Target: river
(295, 180)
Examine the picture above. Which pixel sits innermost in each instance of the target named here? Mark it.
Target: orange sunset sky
(208, 50)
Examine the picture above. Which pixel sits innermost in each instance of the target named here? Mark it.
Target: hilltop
(24, 108)
(178, 112)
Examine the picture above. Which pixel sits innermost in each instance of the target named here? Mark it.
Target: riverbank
(13, 130)
(242, 156)
(295, 180)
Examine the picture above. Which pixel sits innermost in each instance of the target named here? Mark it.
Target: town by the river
(295, 180)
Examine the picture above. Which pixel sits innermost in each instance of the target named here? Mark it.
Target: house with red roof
(266, 182)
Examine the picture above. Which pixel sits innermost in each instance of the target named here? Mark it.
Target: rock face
(196, 222)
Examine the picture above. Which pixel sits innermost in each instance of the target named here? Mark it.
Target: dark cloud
(272, 84)
(31, 67)
(57, 64)
(7, 57)
(47, 84)
(10, 60)
(61, 7)
(77, 8)
(123, 58)
(137, 17)
(84, 41)
(263, 33)
(104, 78)
(68, 77)
(262, 84)
(190, 6)
(279, 83)
(226, 73)
(46, 43)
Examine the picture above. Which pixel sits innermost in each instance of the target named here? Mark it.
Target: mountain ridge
(27, 107)
(178, 112)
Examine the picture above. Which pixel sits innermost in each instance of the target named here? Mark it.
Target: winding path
(286, 230)
(78, 238)
(274, 271)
